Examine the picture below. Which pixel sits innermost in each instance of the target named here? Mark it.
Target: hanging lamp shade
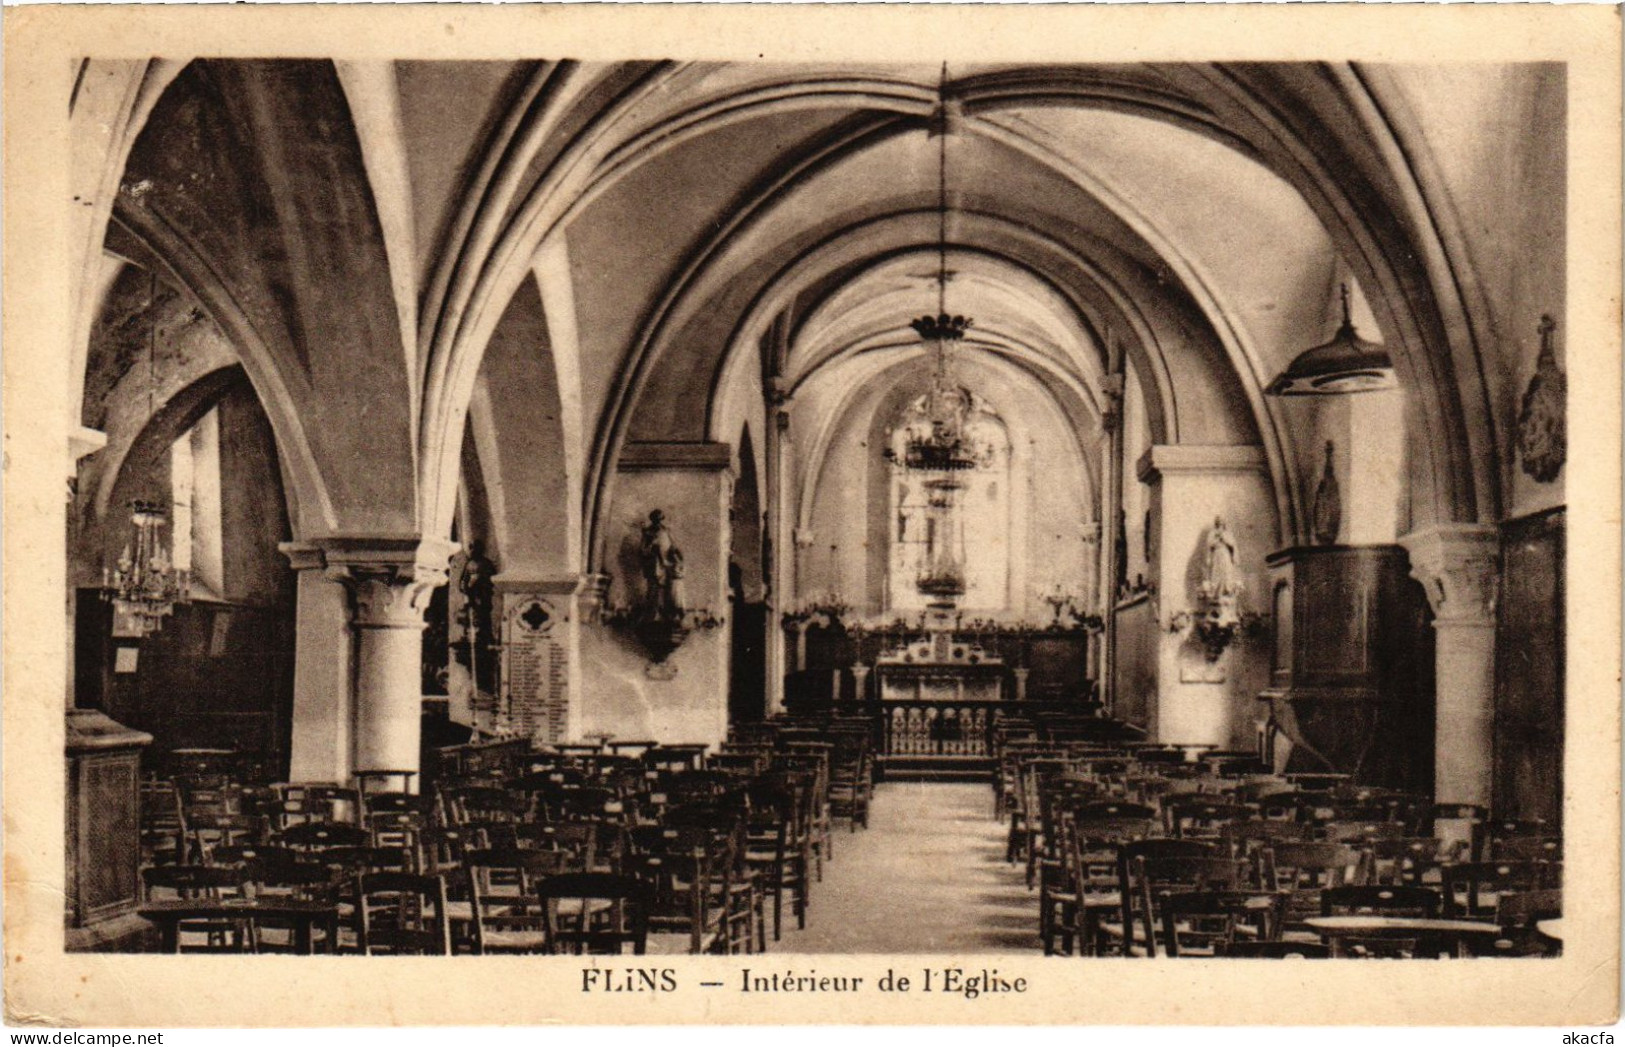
(1346, 364)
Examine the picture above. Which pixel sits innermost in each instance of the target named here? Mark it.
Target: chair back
(403, 914)
(594, 913)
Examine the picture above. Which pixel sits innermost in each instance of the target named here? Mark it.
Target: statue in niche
(1328, 508)
(662, 571)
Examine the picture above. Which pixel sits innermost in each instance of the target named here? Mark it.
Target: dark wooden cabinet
(1351, 674)
(104, 816)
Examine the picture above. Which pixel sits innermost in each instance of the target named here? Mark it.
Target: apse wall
(842, 543)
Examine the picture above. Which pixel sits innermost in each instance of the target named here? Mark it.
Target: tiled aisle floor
(928, 875)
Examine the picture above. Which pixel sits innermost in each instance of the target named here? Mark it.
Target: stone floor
(927, 876)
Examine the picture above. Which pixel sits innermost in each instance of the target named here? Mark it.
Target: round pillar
(1459, 568)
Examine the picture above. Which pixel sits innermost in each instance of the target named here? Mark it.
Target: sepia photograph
(757, 511)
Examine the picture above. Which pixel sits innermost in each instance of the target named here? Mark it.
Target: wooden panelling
(1529, 693)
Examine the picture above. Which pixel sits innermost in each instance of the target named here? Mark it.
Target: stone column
(779, 568)
(323, 673)
(1459, 567)
(1111, 420)
(382, 589)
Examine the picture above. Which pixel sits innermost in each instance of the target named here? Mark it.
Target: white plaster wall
(618, 695)
(1185, 504)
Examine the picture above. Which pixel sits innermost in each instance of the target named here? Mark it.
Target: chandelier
(942, 443)
(145, 585)
(938, 445)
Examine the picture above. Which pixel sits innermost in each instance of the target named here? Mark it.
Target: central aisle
(927, 876)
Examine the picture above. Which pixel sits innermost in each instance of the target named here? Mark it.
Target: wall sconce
(661, 636)
(1217, 630)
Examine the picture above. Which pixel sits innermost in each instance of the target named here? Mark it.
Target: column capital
(390, 576)
(1459, 566)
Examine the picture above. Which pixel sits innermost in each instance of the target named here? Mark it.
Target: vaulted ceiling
(358, 230)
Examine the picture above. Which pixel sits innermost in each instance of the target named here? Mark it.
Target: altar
(939, 668)
(939, 698)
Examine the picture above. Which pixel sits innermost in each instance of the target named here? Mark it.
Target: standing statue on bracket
(662, 572)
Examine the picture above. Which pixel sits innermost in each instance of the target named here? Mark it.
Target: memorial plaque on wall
(536, 683)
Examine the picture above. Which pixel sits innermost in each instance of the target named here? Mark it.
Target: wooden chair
(208, 830)
(1408, 859)
(1070, 906)
(300, 881)
(403, 914)
(1386, 900)
(772, 852)
(1247, 839)
(1302, 871)
(199, 883)
(314, 837)
(163, 828)
(1206, 923)
(1129, 927)
(1518, 913)
(1153, 879)
(1361, 833)
(1472, 889)
(1380, 899)
(1197, 817)
(1526, 849)
(300, 802)
(594, 913)
(1464, 820)
(504, 911)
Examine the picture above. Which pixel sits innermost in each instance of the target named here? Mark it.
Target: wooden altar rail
(939, 728)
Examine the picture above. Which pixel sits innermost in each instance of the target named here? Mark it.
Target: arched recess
(516, 427)
(545, 144)
(143, 240)
(1094, 294)
(841, 480)
(219, 670)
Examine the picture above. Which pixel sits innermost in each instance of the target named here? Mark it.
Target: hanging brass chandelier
(942, 444)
